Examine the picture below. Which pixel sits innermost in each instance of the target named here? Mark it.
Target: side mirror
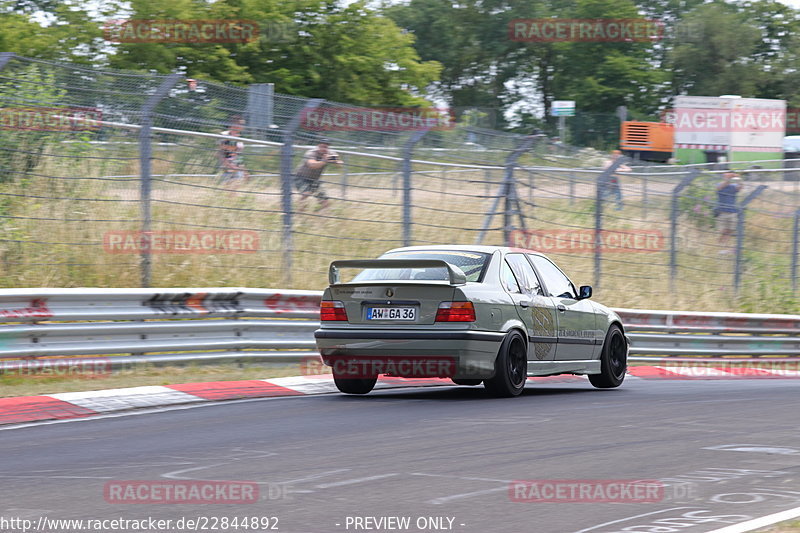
(585, 292)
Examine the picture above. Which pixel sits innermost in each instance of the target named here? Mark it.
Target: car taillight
(332, 310)
(455, 312)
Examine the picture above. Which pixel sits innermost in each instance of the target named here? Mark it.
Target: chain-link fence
(118, 179)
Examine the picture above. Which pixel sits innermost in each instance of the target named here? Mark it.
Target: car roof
(466, 248)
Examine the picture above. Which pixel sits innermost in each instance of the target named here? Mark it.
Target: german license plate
(391, 313)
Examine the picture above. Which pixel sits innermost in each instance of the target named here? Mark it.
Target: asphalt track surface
(446, 452)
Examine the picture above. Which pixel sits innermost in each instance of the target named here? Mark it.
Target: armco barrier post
(145, 156)
(673, 224)
(600, 192)
(795, 248)
(286, 184)
(408, 148)
(737, 271)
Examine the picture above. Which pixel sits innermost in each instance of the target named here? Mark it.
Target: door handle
(525, 303)
(561, 308)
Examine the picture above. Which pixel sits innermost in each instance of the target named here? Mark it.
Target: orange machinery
(648, 141)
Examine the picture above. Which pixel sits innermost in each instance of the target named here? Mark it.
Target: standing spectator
(613, 186)
(230, 155)
(307, 175)
(727, 210)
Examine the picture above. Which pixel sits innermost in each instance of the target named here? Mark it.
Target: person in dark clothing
(230, 156)
(727, 210)
(307, 175)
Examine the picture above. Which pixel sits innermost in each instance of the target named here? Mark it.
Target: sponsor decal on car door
(534, 308)
(576, 328)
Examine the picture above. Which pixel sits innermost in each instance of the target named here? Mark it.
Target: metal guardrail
(197, 325)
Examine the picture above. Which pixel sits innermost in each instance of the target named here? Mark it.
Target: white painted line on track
(352, 481)
(176, 474)
(445, 499)
(462, 477)
(312, 477)
(758, 523)
(598, 526)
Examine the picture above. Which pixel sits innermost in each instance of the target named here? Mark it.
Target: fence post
(408, 147)
(571, 187)
(507, 191)
(145, 157)
(512, 199)
(673, 223)
(602, 182)
(344, 179)
(286, 185)
(644, 193)
(530, 186)
(795, 248)
(737, 271)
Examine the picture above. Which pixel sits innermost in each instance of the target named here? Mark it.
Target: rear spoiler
(457, 276)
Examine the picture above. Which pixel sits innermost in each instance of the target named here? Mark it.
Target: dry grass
(784, 527)
(57, 239)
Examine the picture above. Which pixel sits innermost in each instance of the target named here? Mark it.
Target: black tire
(466, 381)
(510, 367)
(613, 360)
(350, 385)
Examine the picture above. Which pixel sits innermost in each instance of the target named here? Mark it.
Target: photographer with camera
(307, 176)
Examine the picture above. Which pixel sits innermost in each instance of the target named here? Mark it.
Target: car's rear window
(472, 263)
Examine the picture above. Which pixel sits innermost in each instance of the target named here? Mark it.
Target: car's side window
(524, 274)
(508, 279)
(557, 283)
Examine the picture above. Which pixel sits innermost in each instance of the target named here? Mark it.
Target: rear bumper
(458, 354)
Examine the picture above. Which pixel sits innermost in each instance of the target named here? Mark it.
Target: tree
(206, 60)
(342, 53)
(720, 56)
(68, 33)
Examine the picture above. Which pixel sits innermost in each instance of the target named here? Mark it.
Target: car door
(534, 308)
(576, 327)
